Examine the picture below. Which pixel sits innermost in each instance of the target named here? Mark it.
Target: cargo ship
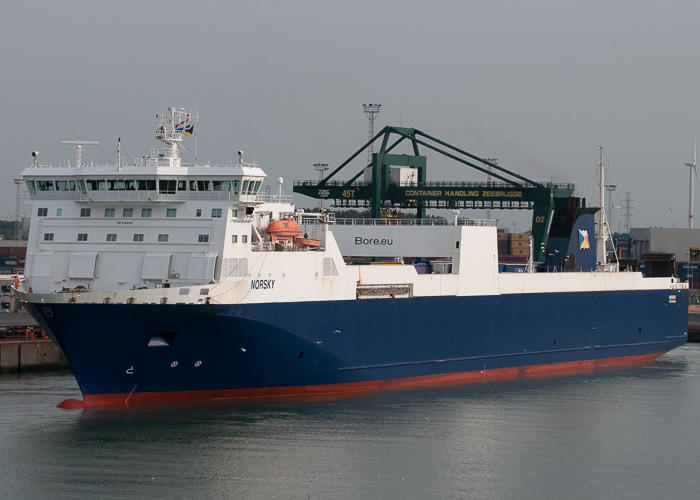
(162, 282)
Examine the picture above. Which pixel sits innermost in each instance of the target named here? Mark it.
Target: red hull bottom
(336, 390)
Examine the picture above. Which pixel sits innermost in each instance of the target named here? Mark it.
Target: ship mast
(172, 126)
(600, 236)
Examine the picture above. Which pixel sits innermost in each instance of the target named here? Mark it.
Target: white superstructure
(156, 223)
(158, 231)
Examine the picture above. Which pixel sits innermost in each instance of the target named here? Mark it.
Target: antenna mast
(371, 112)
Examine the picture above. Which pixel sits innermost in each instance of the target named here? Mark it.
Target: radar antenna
(79, 151)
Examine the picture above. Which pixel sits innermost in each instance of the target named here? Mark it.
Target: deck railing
(462, 221)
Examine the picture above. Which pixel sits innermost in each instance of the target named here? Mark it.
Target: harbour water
(618, 432)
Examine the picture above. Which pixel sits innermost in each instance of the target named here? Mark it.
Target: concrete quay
(31, 354)
(19, 354)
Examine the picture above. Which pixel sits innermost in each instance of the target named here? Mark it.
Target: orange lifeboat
(302, 242)
(287, 229)
(283, 229)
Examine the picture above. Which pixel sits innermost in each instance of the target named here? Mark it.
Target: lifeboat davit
(287, 229)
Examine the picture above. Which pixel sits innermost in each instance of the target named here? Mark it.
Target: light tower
(371, 112)
(488, 181)
(18, 183)
(320, 168)
(610, 216)
(628, 212)
(690, 182)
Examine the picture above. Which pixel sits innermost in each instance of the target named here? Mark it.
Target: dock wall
(23, 355)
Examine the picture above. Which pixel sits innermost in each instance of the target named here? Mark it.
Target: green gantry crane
(511, 191)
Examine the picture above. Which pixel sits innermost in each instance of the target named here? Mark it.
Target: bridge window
(244, 188)
(182, 185)
(236, 184)
(44, 186)
(96, 184)
(167, 186)
(116, 185)
(146, 184)
(31, 187)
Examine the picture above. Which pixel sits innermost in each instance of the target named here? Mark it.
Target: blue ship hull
(159, 352)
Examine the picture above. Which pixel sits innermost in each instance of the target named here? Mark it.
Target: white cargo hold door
(82, 265)
(155, 266)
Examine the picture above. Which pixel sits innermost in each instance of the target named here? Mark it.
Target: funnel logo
(583, 243)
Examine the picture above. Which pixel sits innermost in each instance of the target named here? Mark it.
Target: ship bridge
(399, 181)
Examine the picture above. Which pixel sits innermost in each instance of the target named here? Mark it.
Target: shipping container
(688, 271)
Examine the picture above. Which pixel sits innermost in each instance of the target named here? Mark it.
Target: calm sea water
(628, 432)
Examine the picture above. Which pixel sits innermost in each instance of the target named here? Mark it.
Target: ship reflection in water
(631, 429)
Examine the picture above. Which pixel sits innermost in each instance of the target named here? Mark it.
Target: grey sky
(538, 85)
